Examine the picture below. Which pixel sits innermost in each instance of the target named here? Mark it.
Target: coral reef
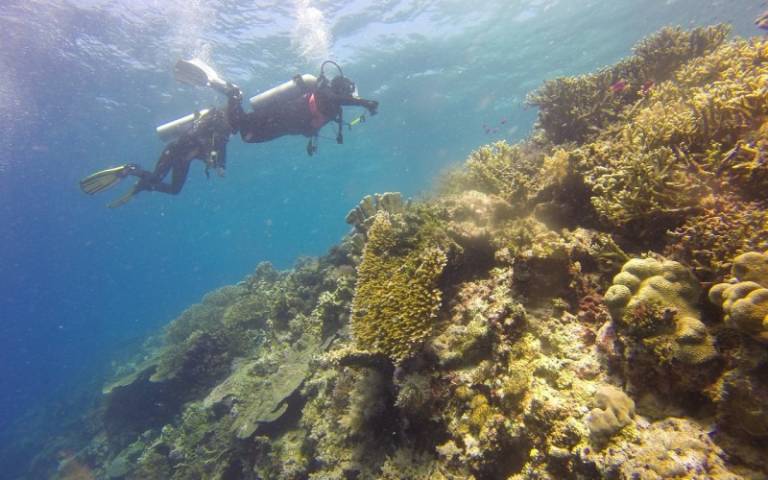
(520, 323)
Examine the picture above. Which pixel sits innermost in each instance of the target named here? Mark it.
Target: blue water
(84, 83)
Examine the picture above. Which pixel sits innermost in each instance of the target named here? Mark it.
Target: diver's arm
(371, 105)
(349, 100)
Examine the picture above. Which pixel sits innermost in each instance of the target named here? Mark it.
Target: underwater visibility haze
(571, 280)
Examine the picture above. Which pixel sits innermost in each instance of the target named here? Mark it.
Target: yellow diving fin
(124, 198)
(104, 179)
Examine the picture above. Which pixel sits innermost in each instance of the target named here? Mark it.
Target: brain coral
(655, 301)
(396, 299)
(745, 300)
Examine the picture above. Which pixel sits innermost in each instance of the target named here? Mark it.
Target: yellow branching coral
(508, 171)
(727, 227)
(396, 299)
(673, 147)
(575, 108)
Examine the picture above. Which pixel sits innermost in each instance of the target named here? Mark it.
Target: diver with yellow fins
(300, 106)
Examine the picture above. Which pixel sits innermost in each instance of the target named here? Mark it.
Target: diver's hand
(372, 106)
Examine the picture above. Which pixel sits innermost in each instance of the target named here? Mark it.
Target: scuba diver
(301, 106)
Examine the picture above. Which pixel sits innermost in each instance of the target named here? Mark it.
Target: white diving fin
(198, 73)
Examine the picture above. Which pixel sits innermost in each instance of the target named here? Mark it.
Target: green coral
(397, 299)
(745, 301)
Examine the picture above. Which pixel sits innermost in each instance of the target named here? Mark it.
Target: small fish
(762, 21)
(619, 86)
(503, 121)
(647, 86)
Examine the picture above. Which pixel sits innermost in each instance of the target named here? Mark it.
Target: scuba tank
(289, 90)
(176, 128)
(296, 87)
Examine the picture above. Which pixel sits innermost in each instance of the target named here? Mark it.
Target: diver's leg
(173, 156)
(179, 174)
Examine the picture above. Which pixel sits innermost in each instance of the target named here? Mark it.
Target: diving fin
(198, 73)
(124, 198)
(104, 179)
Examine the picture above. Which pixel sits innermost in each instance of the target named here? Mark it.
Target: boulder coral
(614, 411)
(745, 299)
(654, 304)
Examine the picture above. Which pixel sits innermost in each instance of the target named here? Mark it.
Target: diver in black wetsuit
(300, 107)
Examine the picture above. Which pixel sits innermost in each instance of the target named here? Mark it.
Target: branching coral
(396, 300)
(672, 150)
(727, 227)
(509, 171)
(571, 109)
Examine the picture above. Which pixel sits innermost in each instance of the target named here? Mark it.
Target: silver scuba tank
(176, 128)
(283, 92)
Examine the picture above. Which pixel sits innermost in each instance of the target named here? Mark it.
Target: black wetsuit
(208, 136)
(303, 115)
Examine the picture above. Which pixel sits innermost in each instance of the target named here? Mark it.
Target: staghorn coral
(509, 171)
(574, 108)
(672, 149)
(727, 227)
(745, 300)
(654, 304)
(396, 300)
